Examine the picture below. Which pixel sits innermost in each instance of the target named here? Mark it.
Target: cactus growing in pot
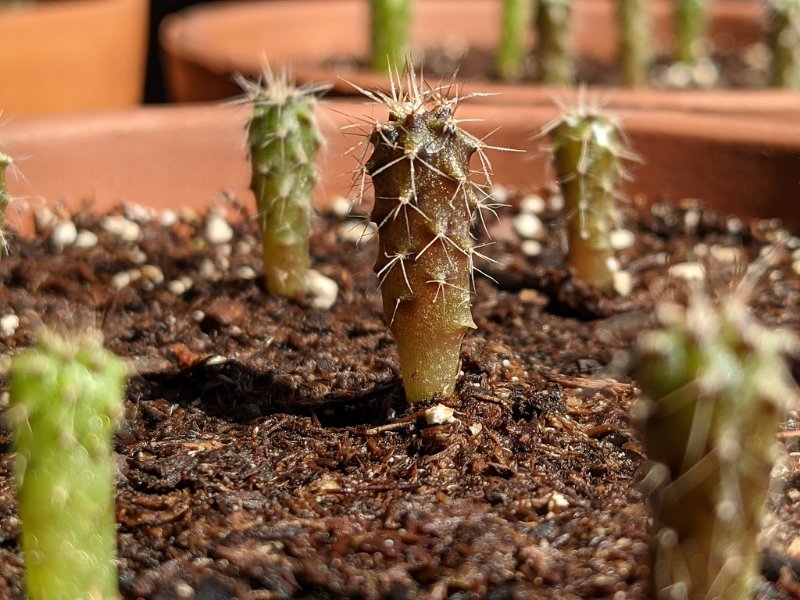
(635, 41)
(65, 401)
(510, 59)
(425, 203)
(283, 138)
(691, 18)
(784, 37)
(715, 385)
(588, 153)
(556, 62)
(389, 21)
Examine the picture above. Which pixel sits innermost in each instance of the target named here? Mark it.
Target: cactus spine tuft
(424, 206)
(715, 385)
(784, 35)
(556, 62)
(588, 155)
(283, 138)
(65, 402)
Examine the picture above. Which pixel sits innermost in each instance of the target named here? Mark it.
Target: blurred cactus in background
(784, 38)
(390, 21)
(555, 58)
(636, 51)
(512, 50)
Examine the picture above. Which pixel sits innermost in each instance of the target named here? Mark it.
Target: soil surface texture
(267, 450)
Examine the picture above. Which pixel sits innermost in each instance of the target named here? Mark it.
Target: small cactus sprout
(588, 155)
(691, 18)
(715, 385)
(65, 402)
(5, 198)
(556, 62)
(784, 35)
(635, 40)
(425, 203)
(283, 138)
(510, 60)
(390, 22)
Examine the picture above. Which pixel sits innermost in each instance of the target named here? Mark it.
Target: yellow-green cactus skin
(556, 61)
(635, 41)
(65, 403)
(511, 52)
(390, 21)
(691, 20)
(588, 154)
(715, 385)
(284, 139)
(424, 206)
(784, 37)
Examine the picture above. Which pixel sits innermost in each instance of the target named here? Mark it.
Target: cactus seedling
(784, 35)
(588, 155)
(556, 63)
(283, 139)
(510, 60)
(5, 198)
(424, 205)
(65, 401)
(715, 384)
(635, 41)
(390, 21)
(691, 17)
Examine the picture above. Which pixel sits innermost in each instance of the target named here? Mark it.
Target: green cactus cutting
(588, 154)
(284, 139)
(511, 52)
(65, 402)
(635, 41)
(691, 19)
(715, 385)
(424, 206)
(5, 199)
(555, 58)
(390, 21)
(784, 37)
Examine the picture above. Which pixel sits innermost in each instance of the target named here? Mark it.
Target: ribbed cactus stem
(390, 21)
(588, 158)
(65, 402)
(784, 36)
(283, 139)
(511, 52)
(424, 206)
(556, 62)
(636, 51)
(5, 199)
(715, 385)
(691, 19)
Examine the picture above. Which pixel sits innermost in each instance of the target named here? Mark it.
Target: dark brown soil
(267, 451)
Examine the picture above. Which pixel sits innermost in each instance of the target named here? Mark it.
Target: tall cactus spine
(511, 52)
(715, 385)
(390, 21)
(588, 154)
(284, 139)
(784, 37)
(555, 57)
(636, 52)
(424, 206)
(5, 198)
(691, 20)
(65, 402)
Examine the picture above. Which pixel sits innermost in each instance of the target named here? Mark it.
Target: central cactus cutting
(424, 206)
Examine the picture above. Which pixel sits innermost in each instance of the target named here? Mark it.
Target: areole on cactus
(425, 203)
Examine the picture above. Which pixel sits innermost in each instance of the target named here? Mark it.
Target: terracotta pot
(205, 45)
(172, 156)
(72, 56)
